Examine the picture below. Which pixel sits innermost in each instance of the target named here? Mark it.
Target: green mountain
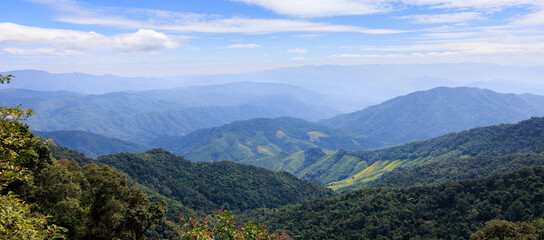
(90, 144)
(254, 141)
(345, 170)
(212, 186)
(427, 114)
(143, 116)
(461, 168)
(447, 211)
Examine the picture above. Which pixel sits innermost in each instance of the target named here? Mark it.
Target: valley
(270, 153)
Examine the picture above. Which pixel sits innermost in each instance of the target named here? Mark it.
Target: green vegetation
(462, 168)
(20, 156)
(42, 198)
(255, 141)
(446, 211)
(221, 225)
(506, 230)
(345, 170)
(210, 186)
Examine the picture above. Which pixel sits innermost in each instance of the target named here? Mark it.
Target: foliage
(60, 152)
(505, 230)
(90, 202)
(94, 202)
(17, 221)
(446, 211)
(461, 168)
(6, 78)
(210, 186)
(20, 156)
(221, 225)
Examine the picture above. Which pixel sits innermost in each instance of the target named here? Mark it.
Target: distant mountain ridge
(84, 83)
(426, 114)
(90, 144)
(250, 140)
(142, 116)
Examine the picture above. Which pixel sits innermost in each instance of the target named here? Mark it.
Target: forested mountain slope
(447, 211)
(212, 186)
(143, 116)
(252, 140)
(427, 114)
(90, 144)
(345, 170)
(461, 168)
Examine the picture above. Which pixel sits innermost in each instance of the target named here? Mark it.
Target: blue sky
(179, 37)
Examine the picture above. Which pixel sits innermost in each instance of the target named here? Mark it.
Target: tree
(505, 230)
(222, 226)
(20, 154)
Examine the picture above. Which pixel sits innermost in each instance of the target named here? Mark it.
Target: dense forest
(211, 186)
(448, 211)
(461, 168)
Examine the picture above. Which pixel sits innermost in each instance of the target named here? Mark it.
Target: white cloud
(234, 46)
(307, 35)
(533, 19)
(323, 8)
(474, 4)
(40, 51)
(297, 50)
(444, 18)
(225, 25)
(142, 40)
(327, 8)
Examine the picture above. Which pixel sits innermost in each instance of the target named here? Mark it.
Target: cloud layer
(142, 40)
(328, 8)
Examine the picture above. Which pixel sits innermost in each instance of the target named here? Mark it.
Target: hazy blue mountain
(349, 87)
(251, 140)
(142, 116)
(356, 87)
(83, 83)
(427, 114)
(90, 144)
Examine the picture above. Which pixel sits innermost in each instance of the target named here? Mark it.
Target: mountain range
(90, 144)
(250, 140)
(349, 87)
(142, 116)
(427, 114)
(344, 170)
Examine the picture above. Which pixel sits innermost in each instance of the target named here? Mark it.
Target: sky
(185, 37)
